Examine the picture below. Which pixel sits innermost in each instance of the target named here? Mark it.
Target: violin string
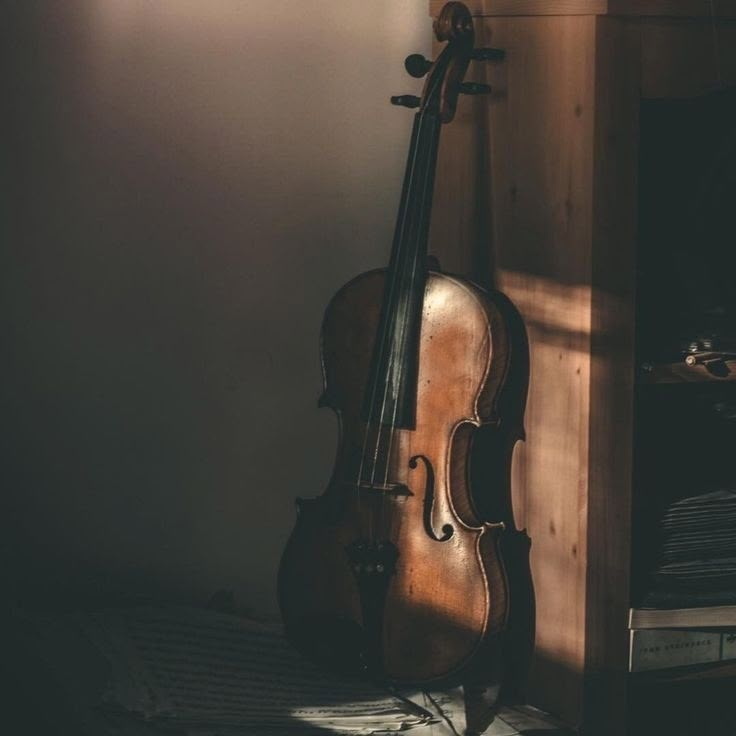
(385, 337)
(395, 281)
(405, 332)
(395, 380)
(400, 339)
(402, 323)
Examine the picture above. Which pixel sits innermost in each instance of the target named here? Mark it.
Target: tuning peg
(474, 88)
(488, 54)
(406, 101)
(416, 65)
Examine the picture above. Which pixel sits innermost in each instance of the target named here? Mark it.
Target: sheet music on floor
(213, 673)
(203, 673)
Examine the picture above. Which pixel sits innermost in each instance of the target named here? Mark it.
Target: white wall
(190, 181)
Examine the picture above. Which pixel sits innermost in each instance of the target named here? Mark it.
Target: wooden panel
(685, 59)
(461, 219)
(529, 7)
(541, 146)
(615, 156)
(561, 127)
(641, 8)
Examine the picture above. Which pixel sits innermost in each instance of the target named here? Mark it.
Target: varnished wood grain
(613, 277)
(447, 597)
(459, 234)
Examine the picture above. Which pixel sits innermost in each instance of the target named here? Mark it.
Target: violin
(398, 568)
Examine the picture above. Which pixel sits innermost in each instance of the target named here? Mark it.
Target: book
(660, 649)
(673, 618)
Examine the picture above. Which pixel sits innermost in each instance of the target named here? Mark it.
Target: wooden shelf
(680, 372)
(719, 617)
(712, 671)
(627, 8)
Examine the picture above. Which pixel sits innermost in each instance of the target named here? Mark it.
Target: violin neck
(392, 386)
(412, 224)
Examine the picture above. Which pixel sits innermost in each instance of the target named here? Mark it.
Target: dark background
(185, 184)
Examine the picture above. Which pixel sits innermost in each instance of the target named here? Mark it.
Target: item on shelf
(697, 561)
(663, 618)
(712, 353)
(660, 649)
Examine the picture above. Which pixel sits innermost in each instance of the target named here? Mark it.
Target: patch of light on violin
(441, 298)
(428, 600)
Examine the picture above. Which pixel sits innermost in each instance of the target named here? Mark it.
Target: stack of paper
(149, 670)
(206, 672)
(697, 564)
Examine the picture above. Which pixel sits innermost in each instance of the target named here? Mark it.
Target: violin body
(401, 569)
(448, 593)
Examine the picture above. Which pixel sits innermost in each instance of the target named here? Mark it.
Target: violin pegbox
(454, 25)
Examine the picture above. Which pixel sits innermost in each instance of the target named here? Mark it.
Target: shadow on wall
(189, 185)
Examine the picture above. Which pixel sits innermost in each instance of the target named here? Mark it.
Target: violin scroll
(445, 75)
(454, 23)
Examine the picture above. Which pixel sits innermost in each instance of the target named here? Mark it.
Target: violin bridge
(386, 489)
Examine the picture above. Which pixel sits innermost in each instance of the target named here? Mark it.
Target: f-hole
(447, 529)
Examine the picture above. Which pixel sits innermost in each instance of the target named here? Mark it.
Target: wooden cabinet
(537, 192)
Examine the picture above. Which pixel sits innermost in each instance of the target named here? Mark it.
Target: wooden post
(550, 161)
